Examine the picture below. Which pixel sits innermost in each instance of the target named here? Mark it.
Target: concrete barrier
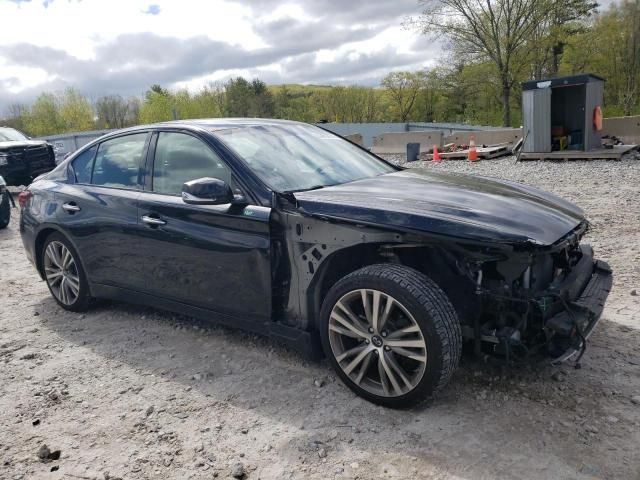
(626, 129)
(486, 137)
(355, 138)
(397, 142)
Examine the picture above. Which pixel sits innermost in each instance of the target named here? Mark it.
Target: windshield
(11, 135)
(291, 158)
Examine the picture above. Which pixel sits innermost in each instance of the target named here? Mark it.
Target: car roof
(217, 123)
(211, 124)
(223, 123)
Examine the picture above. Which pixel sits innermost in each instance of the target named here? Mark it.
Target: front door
(210, 256)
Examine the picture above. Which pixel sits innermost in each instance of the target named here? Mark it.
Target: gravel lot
(126, 392)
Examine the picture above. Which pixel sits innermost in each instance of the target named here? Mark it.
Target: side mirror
(207, 191)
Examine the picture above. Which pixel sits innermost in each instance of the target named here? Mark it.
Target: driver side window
(180, 158)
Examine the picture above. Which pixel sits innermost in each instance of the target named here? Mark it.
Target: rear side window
(180, 158)
(83, 164)
(118, 161)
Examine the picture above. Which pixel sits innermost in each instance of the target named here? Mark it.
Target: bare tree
(115, 112)
(496, 30)
(133, 111)
(17, 114)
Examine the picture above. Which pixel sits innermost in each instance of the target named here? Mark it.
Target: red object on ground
(473, 153)
(436, 156)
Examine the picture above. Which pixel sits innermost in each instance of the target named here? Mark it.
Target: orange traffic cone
(473, 153)
(436, 156)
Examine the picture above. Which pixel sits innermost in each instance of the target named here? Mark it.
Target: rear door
(100, 210)
(210, 256)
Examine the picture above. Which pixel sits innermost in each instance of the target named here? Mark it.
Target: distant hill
(298, 90)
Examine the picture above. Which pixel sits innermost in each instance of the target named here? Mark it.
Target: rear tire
(64, 273)
(5, 210)
(391, 334)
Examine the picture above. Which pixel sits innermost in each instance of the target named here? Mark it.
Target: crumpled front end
(569, 330)
(543, 302)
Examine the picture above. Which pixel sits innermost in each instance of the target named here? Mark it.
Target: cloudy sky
(123, 46)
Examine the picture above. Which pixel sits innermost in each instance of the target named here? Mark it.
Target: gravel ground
(126, 392)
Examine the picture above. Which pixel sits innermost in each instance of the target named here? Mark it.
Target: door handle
(70, 207)
(153, 221)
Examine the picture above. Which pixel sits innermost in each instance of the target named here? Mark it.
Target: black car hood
(463, 206)
(21, 143)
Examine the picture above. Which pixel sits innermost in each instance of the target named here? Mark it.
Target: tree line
(491, 47)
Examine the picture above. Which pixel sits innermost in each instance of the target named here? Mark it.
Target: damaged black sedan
(290, 231)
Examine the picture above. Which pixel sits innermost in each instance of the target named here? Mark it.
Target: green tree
(155, 88)
(629, 51)
(282, 102)
(210, 101)
(44, 118)
(358, 104)
(156, 107)
(261, 101)
(238, 93)
(75, 111)
(185, 106)
(610, 47)
(403, 89)
(248, 99)
(330, 104)
(371, 105)
(428, 98)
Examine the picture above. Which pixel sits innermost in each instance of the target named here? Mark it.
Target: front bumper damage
(580, 316)
(552, 322)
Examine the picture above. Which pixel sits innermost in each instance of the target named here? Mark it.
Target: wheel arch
(441, 265)
(42, 235)
(337, 265)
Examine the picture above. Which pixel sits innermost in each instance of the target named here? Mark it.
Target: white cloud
(126, 45)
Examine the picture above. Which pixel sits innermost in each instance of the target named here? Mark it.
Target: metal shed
(558, 113)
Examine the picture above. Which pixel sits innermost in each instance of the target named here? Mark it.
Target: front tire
(391, 334)
(64, 274)
(5, 210)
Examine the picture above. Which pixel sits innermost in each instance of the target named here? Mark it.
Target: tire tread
(84, 301)
(434, 301)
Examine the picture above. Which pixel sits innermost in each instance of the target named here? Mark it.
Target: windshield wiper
(315, 187)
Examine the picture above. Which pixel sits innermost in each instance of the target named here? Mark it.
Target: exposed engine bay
(545, 303)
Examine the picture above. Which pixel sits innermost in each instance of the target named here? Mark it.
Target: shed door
(594, 98)
(536, 108)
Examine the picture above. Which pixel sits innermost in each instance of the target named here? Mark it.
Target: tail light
(24, 197)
